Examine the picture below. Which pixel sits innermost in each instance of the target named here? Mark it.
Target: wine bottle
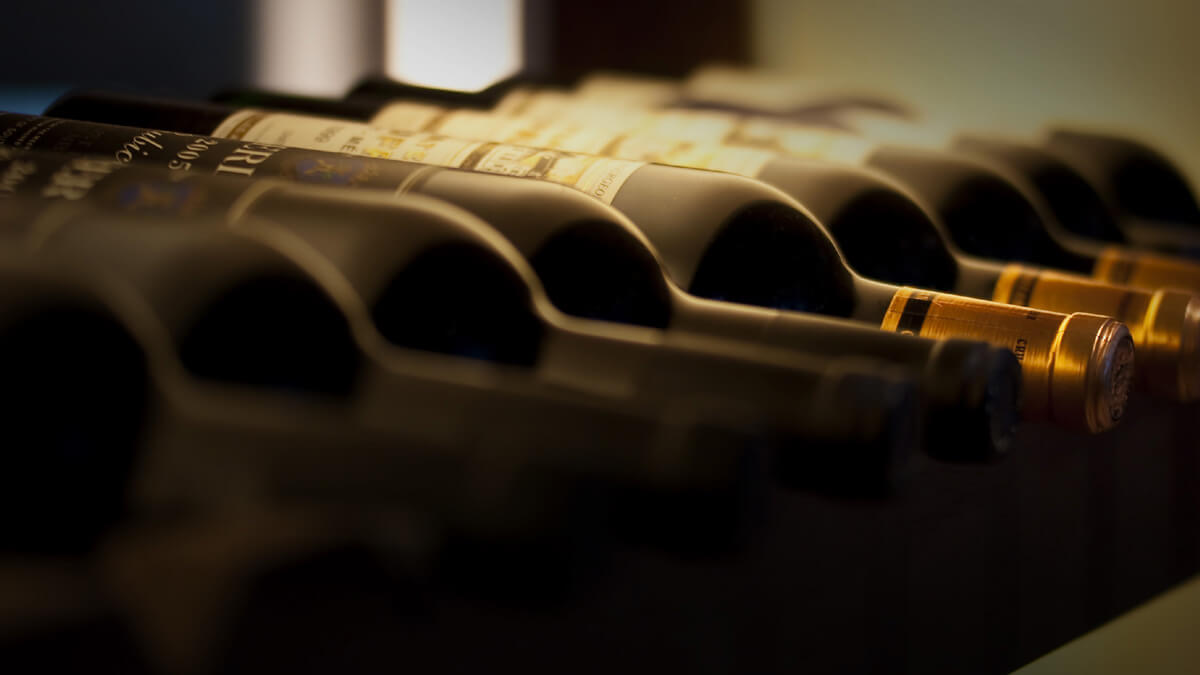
(242, 564)
(233, 311)
(76, 397)
(1139, 179)
(1173, 239)
(874, 222)
(1134, 178)
(1076, 203)
(594, 264)
(448, 284)
(1068, 196)
(882, 233)
(744, 241)
(1073, 200)
(985, 214)
(979, 203)
(372, 89)
(214, 447)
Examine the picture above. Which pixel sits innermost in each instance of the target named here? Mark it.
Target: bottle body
(410, 437)
(751, 255)
(644, 296)
(417, 282)
(884, 234)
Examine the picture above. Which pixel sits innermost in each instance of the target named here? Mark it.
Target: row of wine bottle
(501, 311)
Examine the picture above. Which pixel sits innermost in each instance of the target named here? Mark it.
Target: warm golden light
(1164, 324)
(1076, 369)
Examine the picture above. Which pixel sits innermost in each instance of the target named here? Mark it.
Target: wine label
(560, 112)
(404, 116)
(637, 143)
(483, 126)
(1119, 265)
(684, 125)
(691, 125)
(598, 177)
(51, 178)
(550, 105)
(191, 153)
(1165, 325)
(713, 157)
(1076, 369)
(700, 127)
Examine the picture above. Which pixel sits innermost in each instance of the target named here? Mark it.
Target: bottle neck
(378, 89)
(1073, 254)
(872, 300)
(977, 278)
(352, 109)
(1165, 237)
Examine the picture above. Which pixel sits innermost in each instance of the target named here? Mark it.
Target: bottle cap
(1076, 369)
(1163, 322)
(1169, 351)
(1091, 372)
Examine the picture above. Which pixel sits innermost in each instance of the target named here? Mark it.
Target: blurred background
(1112, 62)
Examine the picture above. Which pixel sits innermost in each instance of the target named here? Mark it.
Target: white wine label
(710, 156)
(484, 126)
(693, 139)
(558, 106)
(566, 136)
(599, 177)
(648, 148)
(799, 141)
(742, 161)
(403, 116)
(694, 126)
(581, 118)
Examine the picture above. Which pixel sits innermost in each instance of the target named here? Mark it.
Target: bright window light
(453, 44)
(314, 46)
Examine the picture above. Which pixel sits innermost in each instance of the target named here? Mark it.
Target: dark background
(184, 47)
(172, 46)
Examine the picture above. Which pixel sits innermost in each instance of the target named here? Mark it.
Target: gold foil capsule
(1120, 265)
(1077, 368)
(1164, 323)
